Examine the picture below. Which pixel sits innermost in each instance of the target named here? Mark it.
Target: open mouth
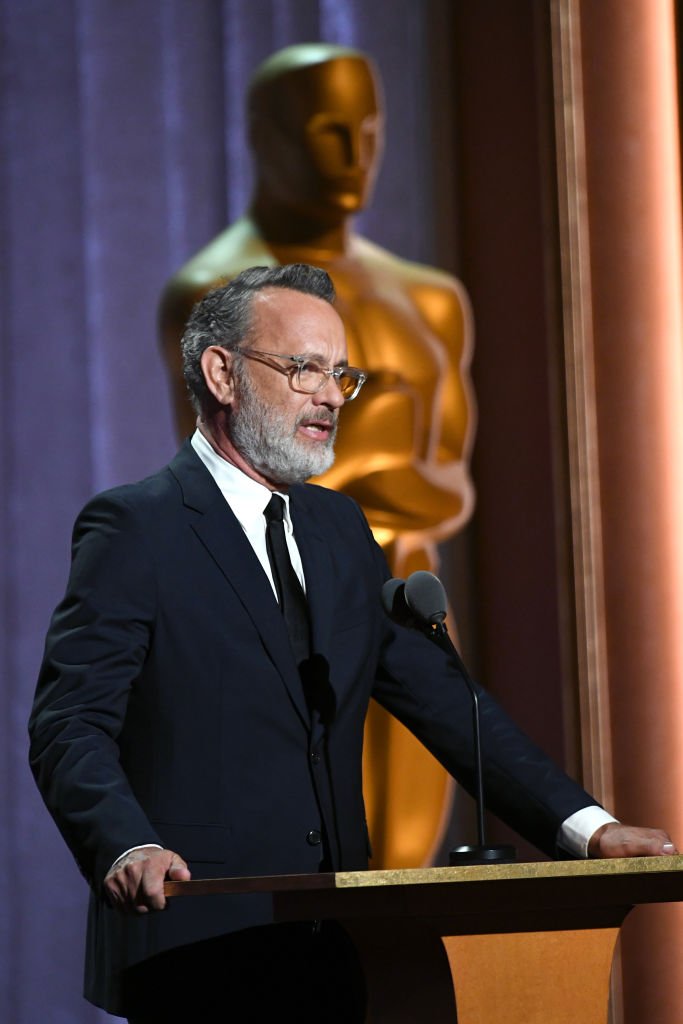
(317, 430)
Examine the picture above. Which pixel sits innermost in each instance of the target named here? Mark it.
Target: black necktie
(289, 591)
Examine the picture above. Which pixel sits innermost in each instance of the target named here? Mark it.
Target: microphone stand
(481, 852)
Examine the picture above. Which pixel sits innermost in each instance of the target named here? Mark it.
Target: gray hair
(224, 316)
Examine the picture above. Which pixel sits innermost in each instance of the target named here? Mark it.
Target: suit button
(313, 837)
(315, 757)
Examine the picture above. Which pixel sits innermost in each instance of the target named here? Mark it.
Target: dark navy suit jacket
(169, 708)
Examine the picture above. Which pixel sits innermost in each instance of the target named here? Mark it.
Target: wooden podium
(520, 943)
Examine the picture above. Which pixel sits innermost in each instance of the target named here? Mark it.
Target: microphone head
(425, 597)
(393, 600)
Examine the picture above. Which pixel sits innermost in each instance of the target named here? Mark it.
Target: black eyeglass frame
(299, 363)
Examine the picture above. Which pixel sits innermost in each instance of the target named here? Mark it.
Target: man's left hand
(617, 840)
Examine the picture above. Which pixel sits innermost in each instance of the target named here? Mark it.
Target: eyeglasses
(309, 377)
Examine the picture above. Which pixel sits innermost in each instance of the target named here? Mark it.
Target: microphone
(394, 603)
(420, 600)
(426, 597)
(421, 603)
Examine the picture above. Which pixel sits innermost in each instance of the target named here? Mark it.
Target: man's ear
(217, 367)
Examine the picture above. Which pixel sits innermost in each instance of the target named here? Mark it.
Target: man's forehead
(292, 314)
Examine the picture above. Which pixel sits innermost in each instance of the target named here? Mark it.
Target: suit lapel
(225, 541)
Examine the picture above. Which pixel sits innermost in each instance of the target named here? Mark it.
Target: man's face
(284, 435)
(322, 151)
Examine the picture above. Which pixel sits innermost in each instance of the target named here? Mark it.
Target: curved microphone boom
(421, 603)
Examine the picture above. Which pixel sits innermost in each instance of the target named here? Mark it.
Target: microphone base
(503, 854)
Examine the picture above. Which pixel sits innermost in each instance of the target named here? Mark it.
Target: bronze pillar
(633, 223)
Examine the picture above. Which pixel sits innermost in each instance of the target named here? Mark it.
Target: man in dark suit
(197, 713)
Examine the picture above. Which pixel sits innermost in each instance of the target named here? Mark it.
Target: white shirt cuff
(125, 852)
(576, 831)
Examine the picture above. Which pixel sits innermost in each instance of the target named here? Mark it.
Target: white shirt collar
(247, 497)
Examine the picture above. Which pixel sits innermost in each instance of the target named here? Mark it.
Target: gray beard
(263, 437)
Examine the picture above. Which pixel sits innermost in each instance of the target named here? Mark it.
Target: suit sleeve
(96, 645)
(425, 690)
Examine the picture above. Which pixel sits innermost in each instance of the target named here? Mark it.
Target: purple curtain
(121, 132)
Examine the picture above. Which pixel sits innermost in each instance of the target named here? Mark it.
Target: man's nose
(330, 395)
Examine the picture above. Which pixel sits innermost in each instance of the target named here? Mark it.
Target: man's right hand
(135, 883)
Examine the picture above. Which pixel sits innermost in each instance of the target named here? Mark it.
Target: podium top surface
(510, 872)
(626, 868)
